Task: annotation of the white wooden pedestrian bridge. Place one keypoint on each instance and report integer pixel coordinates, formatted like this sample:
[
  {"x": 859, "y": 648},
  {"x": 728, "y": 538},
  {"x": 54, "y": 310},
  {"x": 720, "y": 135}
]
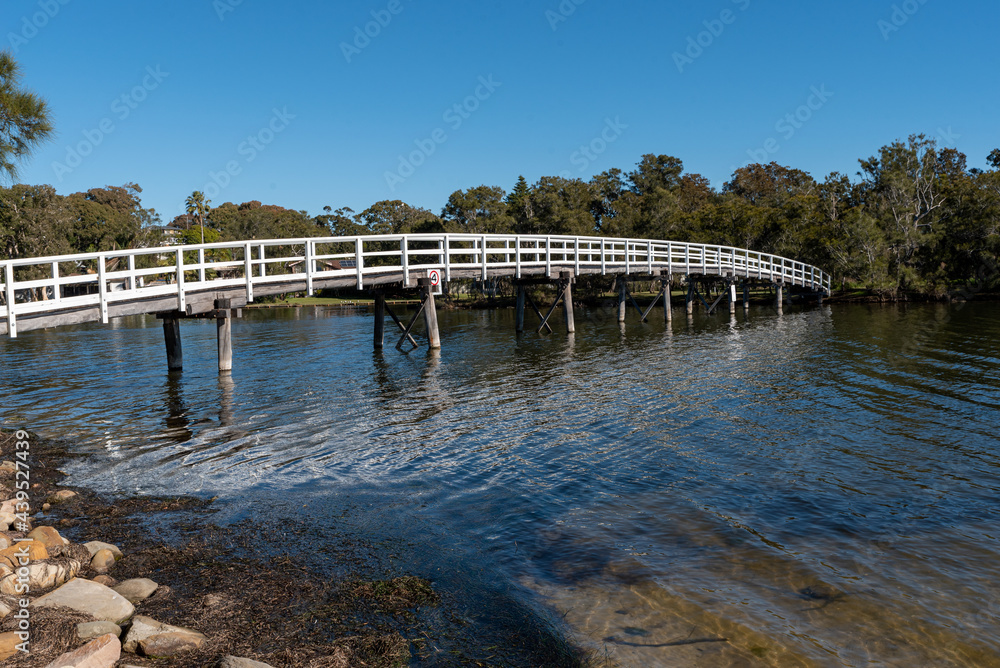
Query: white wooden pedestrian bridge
[{"x": 214, "y": 280}]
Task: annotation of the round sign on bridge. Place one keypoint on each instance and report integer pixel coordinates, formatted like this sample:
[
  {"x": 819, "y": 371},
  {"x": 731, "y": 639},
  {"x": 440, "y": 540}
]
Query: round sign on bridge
[{"x": 435, "y": 276}]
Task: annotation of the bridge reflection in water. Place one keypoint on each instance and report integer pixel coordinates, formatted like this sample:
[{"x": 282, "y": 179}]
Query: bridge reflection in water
[{"x": 217, "y": 280}]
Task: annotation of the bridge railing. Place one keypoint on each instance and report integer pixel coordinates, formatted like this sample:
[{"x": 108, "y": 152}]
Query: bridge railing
[{"x": 57, "y": 283}]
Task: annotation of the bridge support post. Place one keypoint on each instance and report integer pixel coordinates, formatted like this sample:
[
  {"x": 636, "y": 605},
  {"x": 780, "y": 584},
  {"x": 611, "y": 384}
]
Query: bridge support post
[
  {"x": 172, "y": 337},
  {"x": 224, "y": 333},
  {"x": 732, "y": 296},
  {"x": 689, "y": 299},
  {"x": 746, "y": 295},
  {"x": 379, "y": 319},
  {"x": 430, "y": 315},
  {"x": 667, "y": 306},
  {"x": 519, "y": 312},
  {"x": 780, "y": 298},
  {"x": 567, "y": 281},
  {"x": 622, "y": 296}
]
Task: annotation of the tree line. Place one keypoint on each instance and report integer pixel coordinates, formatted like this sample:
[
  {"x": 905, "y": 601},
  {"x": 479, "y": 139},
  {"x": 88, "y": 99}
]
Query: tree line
[{"x": 917, "y": 220}]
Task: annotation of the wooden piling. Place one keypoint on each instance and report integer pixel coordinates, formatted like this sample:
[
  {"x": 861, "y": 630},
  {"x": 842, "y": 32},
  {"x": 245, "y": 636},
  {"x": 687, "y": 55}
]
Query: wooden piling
[
  {"x": 689, "y": 299},
  {"x": 667, "y": 306},
  {"x": 567, "y": 280},
  {"x": 622, "y": 297},
  {"x": 224, "y": 333},
  {"x": 430, "y": 315},
  {"x": 172, "y": 338},
  {"x": 780, "y": 292},
  {"x": 519, "y": 313},
  {"x": 732, "y": 298},
  {"x": 746, "y": 295},
  {"x": 379, "y": 320}
]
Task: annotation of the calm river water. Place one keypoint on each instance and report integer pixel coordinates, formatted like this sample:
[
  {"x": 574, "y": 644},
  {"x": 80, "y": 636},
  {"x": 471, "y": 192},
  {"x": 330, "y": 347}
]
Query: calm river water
[{"x": 819, "y": 488}]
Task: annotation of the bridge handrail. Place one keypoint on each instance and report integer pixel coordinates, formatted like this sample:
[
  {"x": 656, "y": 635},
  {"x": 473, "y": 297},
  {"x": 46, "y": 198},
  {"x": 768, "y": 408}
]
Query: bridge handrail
[{"x": 186, "y": 268}]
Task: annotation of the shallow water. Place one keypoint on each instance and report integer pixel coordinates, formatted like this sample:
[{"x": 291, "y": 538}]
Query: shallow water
[{"x": 818, "y": 488}]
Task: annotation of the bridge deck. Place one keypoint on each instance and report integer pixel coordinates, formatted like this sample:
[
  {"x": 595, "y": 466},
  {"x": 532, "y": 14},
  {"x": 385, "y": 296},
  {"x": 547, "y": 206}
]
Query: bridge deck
[{"x": 190, "y": 278}]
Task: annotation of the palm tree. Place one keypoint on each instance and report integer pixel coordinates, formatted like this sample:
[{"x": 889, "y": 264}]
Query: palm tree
[
  {"x": 199, "y": 207},
  {"x": 24, "y": 118}
]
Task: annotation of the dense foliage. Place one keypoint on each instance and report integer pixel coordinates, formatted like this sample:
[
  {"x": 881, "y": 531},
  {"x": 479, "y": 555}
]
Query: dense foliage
[
  {"x": 916, "y": 219},
  {"x": 24, "y": 118}
]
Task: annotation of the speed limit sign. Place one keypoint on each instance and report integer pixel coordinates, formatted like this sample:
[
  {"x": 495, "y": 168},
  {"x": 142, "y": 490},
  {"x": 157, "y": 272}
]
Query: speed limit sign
[{"x": 435, "y": 277}]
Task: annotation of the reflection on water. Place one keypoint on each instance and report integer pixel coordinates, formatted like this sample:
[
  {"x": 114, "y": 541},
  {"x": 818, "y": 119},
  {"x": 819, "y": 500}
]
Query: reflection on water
[{"x": 818, "y": 488}]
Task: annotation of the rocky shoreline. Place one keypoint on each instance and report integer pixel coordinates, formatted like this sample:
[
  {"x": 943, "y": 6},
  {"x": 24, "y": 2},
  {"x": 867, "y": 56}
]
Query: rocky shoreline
[{"x": 84, "y": 582}]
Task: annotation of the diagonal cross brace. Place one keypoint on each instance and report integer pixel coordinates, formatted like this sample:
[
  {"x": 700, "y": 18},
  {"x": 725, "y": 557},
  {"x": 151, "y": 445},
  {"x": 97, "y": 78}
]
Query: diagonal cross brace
[
  {"x": 402, "y": 327},
  {"x": 655, "y": 301},
  {"x": 413, "y": 320},
  {"x": 698, "y": 294},
  {"x": 538, "y": 312},
  {"x": 552, "y": 309},
  {"x": 628, "y": 293}
]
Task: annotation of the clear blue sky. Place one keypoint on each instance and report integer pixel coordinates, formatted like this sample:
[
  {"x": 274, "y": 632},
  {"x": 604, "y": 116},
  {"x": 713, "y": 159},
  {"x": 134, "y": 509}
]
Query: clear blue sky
[{"x": 557, "y": 73}]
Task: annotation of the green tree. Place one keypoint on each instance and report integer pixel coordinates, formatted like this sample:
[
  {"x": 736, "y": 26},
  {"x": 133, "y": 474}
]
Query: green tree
[
  {"x": 905, "y": 194},
  {"x": 24, "y": 118},
  {"x": 656, "y": 171},
  {"x": 518, "y": 202},
  {"x": 34, "y": 221},
  {"x": 397, "y": 217},
  {"x": 562, "y": 206},
  {"x": 480, "y": 210},
  {"x": 110, "y": 218},
  {"x": 339, "y": 223},
  {"x": 198, "y": 208}
]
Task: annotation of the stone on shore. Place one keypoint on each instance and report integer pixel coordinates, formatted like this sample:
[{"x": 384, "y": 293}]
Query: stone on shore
[
  {"x": 8, "y": 645},
  {"x": 96, "y": 546},
  {"x": 8, "y": 467},
  {"x": 137, "y": 589},
  {"x": 89, "y": 597},
  {"x": 102, "y": 561},
  {"x": 167, "y": 645},
  {"x": 105, "y": 580},
  {"x": 237, "y": 662},
  {"x": 102, "y": 652},
  {"x": 61, "y": 496},
  {"x": 32, "y": 550},
  {"x": 91, "y": 630},
  {"x": 48, "y": 536},
  {"x": 48, "y": 575},
  {"x": 5, "y": 610},
  {"x": 144, "y": 628},
  {"x": 6, "y": 519},
  {"x": 9, "y": 507}
]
